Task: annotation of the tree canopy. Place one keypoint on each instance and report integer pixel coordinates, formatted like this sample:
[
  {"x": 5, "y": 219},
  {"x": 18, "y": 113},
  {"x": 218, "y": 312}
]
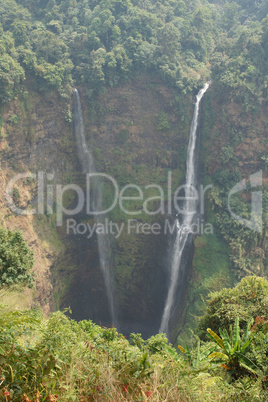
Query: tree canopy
[{"x": 101, "y": 43}]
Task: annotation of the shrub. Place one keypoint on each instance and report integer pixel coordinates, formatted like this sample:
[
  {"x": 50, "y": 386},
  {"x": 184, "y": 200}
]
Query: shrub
[
  {"x": 13, "y": 120},
  {"x": 163, "y": 122},
  {"x": 233, "y": 350},
  {"x": 16, "y": 259},
  {"x": 248, "y": 299},
  {"x": 57, "y": 358}
]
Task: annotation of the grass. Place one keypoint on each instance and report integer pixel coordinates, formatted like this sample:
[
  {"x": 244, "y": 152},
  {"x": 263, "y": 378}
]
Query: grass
[
  {"x": 15, "y": 298},
  {"x": 45, "y": 227}
]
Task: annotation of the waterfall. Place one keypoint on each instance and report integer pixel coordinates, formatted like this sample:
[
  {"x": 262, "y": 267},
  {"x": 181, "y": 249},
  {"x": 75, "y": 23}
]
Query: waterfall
[
  {"x": 189, "y": 212},
  {"x": 88, "y": 166}
]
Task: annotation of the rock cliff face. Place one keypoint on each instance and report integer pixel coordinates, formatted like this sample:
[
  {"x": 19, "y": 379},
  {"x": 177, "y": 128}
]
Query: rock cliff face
[
  {"x": 35, "y": 138},
  {"x": 137, "y": 133},
  {"x": 234, "y": 147}
]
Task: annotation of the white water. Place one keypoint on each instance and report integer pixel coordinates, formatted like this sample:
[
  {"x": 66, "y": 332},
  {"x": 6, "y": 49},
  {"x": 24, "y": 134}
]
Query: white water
[
  {"x": 88, "y": 166},
  {"x": 189, "y": 208}
]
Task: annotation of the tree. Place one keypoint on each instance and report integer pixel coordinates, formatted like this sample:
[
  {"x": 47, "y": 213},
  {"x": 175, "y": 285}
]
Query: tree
[
  {"x": 48, "y": 46},
  {"x": 248, "y": 299},
  {"x": 16, "y": 259},
  {"x": 20, "y": 30},
  {"x": 11, "y": 73}
]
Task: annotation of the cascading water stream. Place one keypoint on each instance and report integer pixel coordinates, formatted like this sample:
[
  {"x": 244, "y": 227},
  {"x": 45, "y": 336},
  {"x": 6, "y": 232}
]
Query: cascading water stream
[
  {"x": 88, "y": 166},
  {"x": 189, "y": 212}
]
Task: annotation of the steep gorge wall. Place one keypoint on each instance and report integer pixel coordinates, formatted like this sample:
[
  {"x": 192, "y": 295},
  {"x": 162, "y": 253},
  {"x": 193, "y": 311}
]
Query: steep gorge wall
[
  {"x": 137, "y": 133},
  {"x": 234, "y": 146},
  {"x": 35, "y": 138}
]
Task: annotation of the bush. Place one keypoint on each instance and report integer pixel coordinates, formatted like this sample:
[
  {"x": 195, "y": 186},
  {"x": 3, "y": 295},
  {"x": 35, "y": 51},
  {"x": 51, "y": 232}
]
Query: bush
[
  {"x": 13, "y": 120},
  {"x": 57, "y": 358},
  {"x": 248, "y": 299},
  {"x": 16, "y": 259},
  {"x": 163, "y": 122}
]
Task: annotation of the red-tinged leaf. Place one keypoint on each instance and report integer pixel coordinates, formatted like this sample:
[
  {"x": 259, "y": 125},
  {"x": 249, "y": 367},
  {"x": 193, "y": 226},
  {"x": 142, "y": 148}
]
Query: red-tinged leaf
[
  {"x": 225, "y": 366},
  {"x": 148, "y": 394}
]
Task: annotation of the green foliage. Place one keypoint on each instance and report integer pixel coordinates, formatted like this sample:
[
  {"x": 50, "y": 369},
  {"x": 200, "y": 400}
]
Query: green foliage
[
  {"x": 57, "y": 358},
  {"x": 157, "y": 342},
  {"x": 13, "y": 120},
  {"x": 227, "y": 154},
  {"x": 247, "y": 247},
  {"x": 163, "y": 122},
  {"x": 212, "y": 271},
  {"x": 238, "y": 64},
  {"x": 68, "y": 116},
  {"x": 234, "y": 349},
  {"x": 265, "y": 160},
  {"x": 238, "y": 352},
  {"x": 259, "y": 346},
  {"x": 106, "y": 42},
  {"x": 248, "y": 299},
  {"x": 198, "y": 357},
  {"x": 11, "y": 74},
  {"x": 16, "y": 259},
  {"x": 136, "y": 340}
]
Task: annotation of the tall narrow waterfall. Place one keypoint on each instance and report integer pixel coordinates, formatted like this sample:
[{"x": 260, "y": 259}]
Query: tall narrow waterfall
[
  {"x": 189, "y": 213},
  {"x": 88, "y": 166}
]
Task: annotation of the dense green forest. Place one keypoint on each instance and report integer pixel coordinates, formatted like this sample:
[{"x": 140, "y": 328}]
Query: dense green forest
[
  {"x": 98, "y": 43},
  {"x": 48, "y": 47}
]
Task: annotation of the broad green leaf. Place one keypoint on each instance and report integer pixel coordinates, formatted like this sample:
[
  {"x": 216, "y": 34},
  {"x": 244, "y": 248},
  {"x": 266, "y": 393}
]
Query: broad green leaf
[
  {"x": 206, "y": 353},
  {"x": 246, "y": 361},
  {"x": 11, "y": 373},
  {"x": 248, "y": 368},
  {"x": 245, "y": 346},
  {"x": 236, "y": 334},
  {"x": 225, "y": 340},
  {"x": 188, "y": 354},
  {"x": 248, "y": 332}
]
